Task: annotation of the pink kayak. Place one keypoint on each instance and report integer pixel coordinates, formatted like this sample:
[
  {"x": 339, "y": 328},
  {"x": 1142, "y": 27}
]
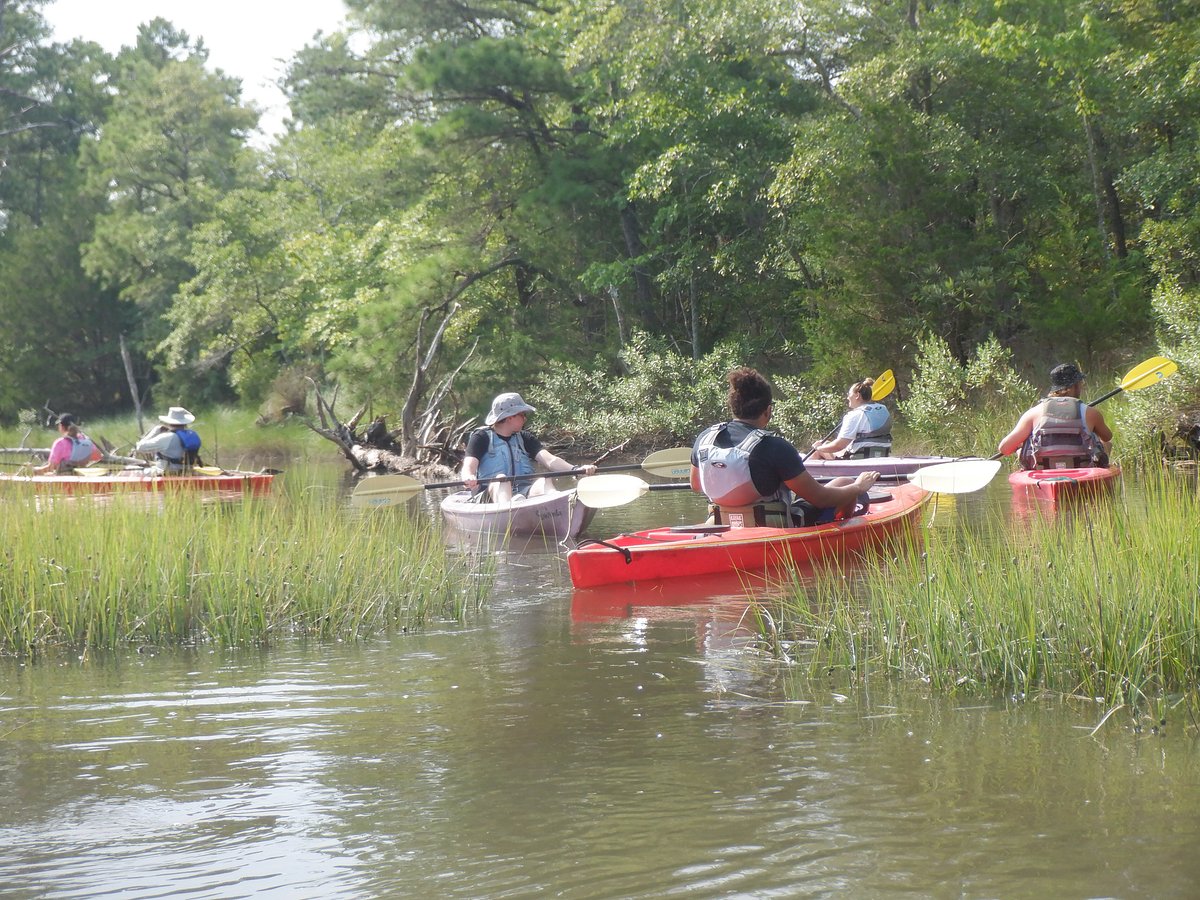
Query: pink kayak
[{"x": 1054, "y": 485}]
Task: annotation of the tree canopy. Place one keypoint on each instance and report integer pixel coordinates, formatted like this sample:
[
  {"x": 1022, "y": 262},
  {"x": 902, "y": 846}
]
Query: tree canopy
[{"x": 829, "y": 183}]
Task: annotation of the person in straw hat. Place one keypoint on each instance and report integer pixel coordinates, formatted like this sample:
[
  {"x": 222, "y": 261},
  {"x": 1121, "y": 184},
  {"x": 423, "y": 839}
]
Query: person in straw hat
[
  {"x": 504, "y": 451},
  {"x": 176, "y": 447},
  {"x": 1061, "y": 431}
]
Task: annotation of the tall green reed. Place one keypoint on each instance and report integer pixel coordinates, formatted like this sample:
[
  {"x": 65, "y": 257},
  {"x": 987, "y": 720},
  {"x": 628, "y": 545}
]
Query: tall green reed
[
  {"x": 1100, "y": 600},
  {"x": 83, "y": 573}
]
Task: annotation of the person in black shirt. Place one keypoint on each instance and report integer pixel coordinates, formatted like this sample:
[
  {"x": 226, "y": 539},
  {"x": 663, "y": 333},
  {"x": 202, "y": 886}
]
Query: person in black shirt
[{"x": 504, "y": 451}]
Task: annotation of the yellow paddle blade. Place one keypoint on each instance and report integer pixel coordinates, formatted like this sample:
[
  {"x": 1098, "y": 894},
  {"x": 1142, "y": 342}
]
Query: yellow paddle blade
[
  {"x": 603, "y": 491},
  {"x": 1152, "y": 371},
  {"x": 207, "y": 470},
  {"x": 401, "y": 487},
  {"x": 673, "y": 463},
  {"x": 884, "y": 385},
  {"x": 963, "y": 476},
  {"x": 382, "y": 498}
]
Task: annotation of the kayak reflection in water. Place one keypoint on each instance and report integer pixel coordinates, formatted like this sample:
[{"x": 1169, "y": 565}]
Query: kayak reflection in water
[{"x": 754, "y": 477}]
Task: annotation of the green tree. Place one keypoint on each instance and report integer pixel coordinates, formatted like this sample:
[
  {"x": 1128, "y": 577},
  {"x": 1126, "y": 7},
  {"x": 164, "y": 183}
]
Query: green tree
[{"x": 173, "y": 145}]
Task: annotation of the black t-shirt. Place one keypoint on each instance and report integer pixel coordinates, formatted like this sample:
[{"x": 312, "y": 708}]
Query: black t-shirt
[
  {"x": 773, "y": 462},
  {"x": 479, "y": 443}
]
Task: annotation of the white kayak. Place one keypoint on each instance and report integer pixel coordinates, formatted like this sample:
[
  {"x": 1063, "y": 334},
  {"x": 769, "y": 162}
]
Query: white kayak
[
  {"x": 890, "y": 467},
  {"x": 556, "y": 515}
]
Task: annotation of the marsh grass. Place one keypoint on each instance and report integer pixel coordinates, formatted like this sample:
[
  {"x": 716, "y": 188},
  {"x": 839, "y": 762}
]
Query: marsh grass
[
  {"x": 176, "y": 570},
  {"x": 1101, "y": 601}
]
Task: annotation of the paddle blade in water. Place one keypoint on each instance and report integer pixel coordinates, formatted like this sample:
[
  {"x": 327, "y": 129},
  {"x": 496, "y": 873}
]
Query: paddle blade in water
[
  {"x": 673, "y": 463},
  {"x": 603, "y": 491},
  {"x": 960, "y": 477},
  {"x": 382, "y": 498},
  {"x": 380, "y": 485}
]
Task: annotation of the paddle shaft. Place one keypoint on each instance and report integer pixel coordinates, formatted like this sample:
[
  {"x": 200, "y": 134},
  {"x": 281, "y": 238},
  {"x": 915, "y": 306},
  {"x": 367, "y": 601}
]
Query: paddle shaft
[
  {"x": 628, "y": 467},
  {"x": 685, "y": 486}
]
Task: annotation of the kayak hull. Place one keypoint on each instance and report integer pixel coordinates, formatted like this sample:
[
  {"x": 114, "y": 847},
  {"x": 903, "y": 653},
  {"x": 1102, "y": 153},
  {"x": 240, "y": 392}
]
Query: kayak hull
[
  {"x": 1058, "y": 485},
  {"x": 141, "y": 481},
  {"x": 889, "y": 467},
  {"x": 692, "y": 551},
  {"x": 557, "y": 515}
]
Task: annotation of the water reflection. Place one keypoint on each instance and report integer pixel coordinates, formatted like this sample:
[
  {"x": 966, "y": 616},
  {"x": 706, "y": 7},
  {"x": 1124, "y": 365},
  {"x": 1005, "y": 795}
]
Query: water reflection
[{"x": 623, "y": 745}]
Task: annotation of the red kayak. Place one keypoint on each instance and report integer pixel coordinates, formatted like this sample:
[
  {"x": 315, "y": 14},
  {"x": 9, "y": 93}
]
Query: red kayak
[
  {"x": 1055, "y": 485},
  {"x": 219, "y": 480},
  {"x": 691, "y": 550}
]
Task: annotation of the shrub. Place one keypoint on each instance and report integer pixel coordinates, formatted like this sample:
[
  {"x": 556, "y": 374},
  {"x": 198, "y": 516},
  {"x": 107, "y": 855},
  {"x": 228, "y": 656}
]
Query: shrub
[{"x": 964, "y": 408}]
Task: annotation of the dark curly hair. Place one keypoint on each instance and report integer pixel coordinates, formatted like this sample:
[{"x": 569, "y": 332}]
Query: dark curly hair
[{"x": 749, "y": 393}]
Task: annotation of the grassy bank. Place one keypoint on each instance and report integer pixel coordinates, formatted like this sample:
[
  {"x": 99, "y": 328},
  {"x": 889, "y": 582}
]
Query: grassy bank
[
  {"x": 1100, "y": 602},
  {"x": 82, "y": 574}
]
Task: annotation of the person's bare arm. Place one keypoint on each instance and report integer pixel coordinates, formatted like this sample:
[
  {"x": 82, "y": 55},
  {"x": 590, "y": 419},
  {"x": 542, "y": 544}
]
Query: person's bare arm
[
  {"x": 558, "y": 464},
  {"x": 1095, "y": 421},
  {"x": 1015, "y": 438}
]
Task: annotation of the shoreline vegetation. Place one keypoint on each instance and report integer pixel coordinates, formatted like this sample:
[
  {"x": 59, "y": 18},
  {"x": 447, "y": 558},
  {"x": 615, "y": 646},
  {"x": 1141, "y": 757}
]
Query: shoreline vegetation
[
  {"x": 1097, "y": 602},
  {"x": 174, "y": 570}
]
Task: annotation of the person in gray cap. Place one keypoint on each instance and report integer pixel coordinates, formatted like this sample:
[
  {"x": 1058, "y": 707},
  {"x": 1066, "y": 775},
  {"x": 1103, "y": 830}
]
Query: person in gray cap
[
  {"x": 504, "y": 451},
  {"x": 1061, "y": 431}
]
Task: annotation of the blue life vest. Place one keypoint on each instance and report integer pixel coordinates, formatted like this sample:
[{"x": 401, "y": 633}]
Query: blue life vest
[
  {"x": 879, "y": 433},
  {"x": 506, "y": 457},
  {"x": 82, "y": 450},
  {"x": 191, "y": 446},
  {"x": 1062, "y": 439},
  {"x": 189, "y": 450},
  {"x": 725, "y": 471}
]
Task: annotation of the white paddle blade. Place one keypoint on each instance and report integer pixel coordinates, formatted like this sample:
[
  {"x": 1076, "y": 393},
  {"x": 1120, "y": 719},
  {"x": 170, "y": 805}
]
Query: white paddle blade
[
  {"x": 673, "y": 463},
  {"x": 963, "y": 476},
  {"x": 603, "y": 491}
]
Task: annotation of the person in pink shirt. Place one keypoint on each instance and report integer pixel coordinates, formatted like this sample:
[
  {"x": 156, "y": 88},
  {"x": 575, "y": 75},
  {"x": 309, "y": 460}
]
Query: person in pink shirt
[{"x": 73, "y": 448}]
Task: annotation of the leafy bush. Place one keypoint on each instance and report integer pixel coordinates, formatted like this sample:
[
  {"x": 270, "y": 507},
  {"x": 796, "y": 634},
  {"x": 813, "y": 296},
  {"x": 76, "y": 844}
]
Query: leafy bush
[
  {"x": 664, "y": 399},
  {"x": 964, "y": 408},
  {"x": 804, "y": 414},
  {"x": 1174, "y": 405}
]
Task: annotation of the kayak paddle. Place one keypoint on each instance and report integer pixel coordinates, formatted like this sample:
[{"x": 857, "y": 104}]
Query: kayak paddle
[
  {"x": 966, "y": 476},
  {"x": 603, "y": 491},
  {"x": 386, "y": 490}
]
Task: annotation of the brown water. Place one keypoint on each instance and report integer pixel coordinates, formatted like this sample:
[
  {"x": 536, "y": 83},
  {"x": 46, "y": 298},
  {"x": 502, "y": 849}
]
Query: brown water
[{"x": 555, "y": 746}]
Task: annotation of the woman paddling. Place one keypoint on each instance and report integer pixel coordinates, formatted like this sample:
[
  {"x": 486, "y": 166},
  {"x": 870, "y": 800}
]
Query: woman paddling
[
  {"x": 866, "y": 430},
  {"x": 751, "y": 475},
  {"x": 73, "y": 448}
]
